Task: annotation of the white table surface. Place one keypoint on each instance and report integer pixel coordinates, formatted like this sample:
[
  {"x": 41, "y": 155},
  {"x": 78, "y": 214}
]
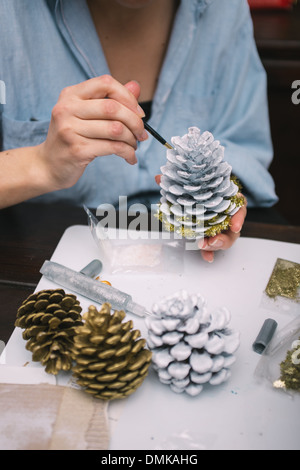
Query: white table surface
[{"x": 239, "y": 414}]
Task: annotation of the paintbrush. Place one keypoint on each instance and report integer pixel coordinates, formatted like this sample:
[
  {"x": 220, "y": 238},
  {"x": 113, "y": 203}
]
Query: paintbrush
[{"x": 157, "y": 136}]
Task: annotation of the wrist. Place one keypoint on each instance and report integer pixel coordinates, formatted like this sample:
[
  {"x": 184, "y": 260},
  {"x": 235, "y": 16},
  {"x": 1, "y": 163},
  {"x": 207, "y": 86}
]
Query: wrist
[
  {"x": 22, "y": 176},
  {"x": 45, "y": 181}
]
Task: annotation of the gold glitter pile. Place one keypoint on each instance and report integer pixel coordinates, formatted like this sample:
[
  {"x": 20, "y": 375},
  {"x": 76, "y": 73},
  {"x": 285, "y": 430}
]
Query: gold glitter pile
[{"x": 284, "y": 280}]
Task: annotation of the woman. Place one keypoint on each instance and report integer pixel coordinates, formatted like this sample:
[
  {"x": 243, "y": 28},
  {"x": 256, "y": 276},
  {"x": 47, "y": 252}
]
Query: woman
[{"x": 79, "y": 74}]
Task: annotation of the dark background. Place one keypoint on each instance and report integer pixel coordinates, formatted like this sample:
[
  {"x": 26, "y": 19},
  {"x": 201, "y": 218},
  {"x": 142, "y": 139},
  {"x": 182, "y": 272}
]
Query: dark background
[{"x": 277, "y": 34}]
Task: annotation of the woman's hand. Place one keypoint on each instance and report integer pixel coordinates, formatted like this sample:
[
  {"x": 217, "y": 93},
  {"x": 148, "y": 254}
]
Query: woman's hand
[
  {"x": 225, "y": 240},
  {"x": 94, "y": 118}
]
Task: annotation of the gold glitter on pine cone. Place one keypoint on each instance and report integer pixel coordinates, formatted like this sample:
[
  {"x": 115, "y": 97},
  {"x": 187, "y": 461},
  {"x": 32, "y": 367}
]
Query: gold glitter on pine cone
[
  {"x": 111, "y": 362},
  {"x": 212, "y": 227},
  {"x": 49, "y": 319}
]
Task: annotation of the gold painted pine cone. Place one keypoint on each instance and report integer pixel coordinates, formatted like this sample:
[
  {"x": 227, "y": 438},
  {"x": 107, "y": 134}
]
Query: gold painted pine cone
[
  {"x": 111, "y": 362},
  {"x": 49, "y": 319}
]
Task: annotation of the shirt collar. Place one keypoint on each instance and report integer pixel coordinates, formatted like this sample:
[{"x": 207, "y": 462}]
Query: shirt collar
[{"x": 77, "y": 27}]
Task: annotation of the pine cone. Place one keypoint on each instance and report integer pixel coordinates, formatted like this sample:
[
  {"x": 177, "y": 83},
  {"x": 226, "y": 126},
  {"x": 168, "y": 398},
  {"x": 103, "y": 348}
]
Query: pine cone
[
  {"x": 49, "y": 319},
  {"x": 199, "y": 195},
  {"x": 111, "y": 360},
  {"x": 190, "y": 346}
]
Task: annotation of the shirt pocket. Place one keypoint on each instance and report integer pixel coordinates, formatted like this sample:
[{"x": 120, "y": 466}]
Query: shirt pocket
[{"x": 22, "y": 133}]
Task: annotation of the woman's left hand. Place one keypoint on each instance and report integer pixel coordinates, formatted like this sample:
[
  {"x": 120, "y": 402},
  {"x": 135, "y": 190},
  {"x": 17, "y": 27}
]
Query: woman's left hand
[{"x": 224, "y": 240}]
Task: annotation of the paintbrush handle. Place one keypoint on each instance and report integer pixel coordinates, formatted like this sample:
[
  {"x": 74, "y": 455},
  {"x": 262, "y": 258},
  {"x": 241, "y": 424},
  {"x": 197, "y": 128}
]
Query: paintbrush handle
[{"x": 156, "y": 135}]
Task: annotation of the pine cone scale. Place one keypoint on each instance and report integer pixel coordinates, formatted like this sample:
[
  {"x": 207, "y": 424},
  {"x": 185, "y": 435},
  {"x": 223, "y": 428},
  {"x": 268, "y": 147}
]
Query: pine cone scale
[
  {"x": 33, "y": 331},
  {"x": 113, "y": 340},
  {"x": 122, "y": 350},
  {"x": 106, "y": 377},
  {"x": 115, "y": 329},
  {"x": 142, "y": 358},
  {"x": 128, "y": 377},
  {"x": 117, "y": 366},
  {"x": 97, "y": 339},
  {"x": 106, "y": 354},
  {"x": 97, "y": 366}
]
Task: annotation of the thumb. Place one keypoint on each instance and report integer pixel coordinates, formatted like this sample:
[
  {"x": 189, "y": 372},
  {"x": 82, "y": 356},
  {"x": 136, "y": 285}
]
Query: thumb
[
  {"x": 157, "y": 179},
  {"x": 134, "y": 88}
]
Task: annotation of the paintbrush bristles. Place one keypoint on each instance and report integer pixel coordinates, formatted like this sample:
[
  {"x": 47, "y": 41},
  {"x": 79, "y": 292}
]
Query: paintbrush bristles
[{"x": 168, "y": 145}]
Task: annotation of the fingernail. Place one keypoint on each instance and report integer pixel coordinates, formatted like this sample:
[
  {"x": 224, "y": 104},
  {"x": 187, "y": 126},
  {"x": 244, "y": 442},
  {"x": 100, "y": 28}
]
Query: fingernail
[
  {"x": 216, "y": 243},
  {"x": 210, "y": 257},
  {"x": 236, "y": 231},
  {"x": 143, "y": 136},
  {"x": 132, "y": 161},
  {"x": 158, "y": 180},
  {"x": 140, "y": 111},
  {"x": 202, "y": 242}
]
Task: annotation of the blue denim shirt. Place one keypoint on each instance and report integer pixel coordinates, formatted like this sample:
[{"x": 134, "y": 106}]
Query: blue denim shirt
[{"x": 211, "y": 78}]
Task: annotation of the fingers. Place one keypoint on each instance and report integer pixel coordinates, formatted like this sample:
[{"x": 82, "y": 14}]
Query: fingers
[
  {"x": 94, "y": 118},
  {"x": 90, "y": 112},
  {"x": 219, "y": 242},
  {"x": 106, "y": 130},
  {"x": 99, "y": 117},
  {"x": 207, "y": 256},
  {"x": 104, "y": 86},
  {"x": 102, "y": 147},
  {"x": 223, "y": 241},
  {"x": 134, "y": 88},
  {"x": 158, "y": 179}
]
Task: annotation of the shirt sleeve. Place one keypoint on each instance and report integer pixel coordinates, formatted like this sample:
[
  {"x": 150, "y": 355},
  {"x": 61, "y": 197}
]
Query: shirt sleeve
[{"x": 241, "y": 116}]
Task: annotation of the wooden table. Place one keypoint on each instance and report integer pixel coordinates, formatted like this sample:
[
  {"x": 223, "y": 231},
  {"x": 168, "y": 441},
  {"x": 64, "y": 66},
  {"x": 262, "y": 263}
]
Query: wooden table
[{"x": 29, "y": 233}]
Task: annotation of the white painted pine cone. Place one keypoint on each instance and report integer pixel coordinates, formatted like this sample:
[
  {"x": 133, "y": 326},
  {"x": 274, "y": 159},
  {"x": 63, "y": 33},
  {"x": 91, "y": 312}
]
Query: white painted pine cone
[
  {"x": 198, "y": 192},
  {"x": 190, "y": 346}
]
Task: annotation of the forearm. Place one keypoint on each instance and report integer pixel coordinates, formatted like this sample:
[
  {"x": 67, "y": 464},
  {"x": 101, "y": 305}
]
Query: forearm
[
  {"x": 84, "y": 125},
  {"x": 22, "y": 176}
]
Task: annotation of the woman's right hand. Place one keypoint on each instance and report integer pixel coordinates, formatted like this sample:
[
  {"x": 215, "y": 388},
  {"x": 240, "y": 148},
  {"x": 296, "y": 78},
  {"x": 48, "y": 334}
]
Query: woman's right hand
[{"x": 94, "y": 118}]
